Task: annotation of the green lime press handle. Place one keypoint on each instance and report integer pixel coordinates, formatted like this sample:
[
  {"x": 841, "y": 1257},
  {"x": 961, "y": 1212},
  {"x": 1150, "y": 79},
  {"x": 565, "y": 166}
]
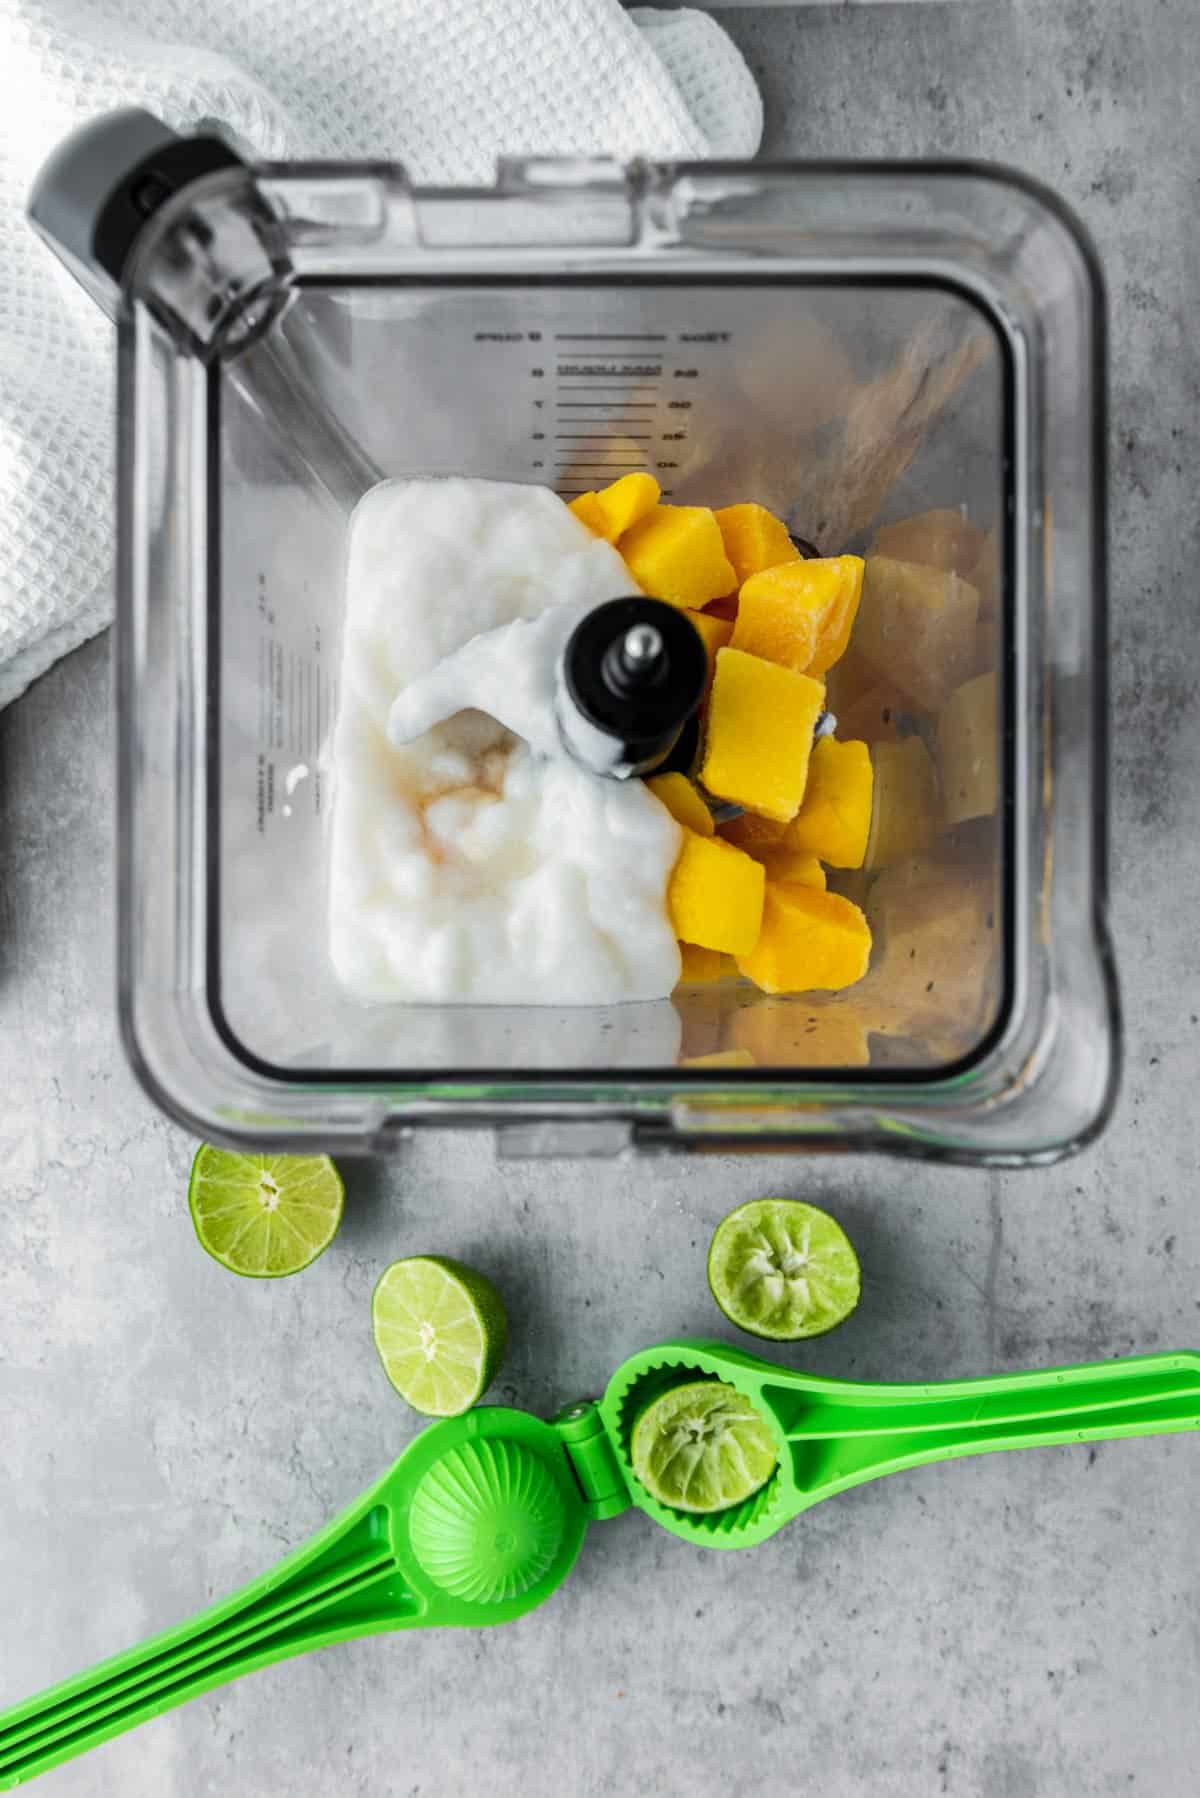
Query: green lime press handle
[
  {"x": 835, "y": 1434},
  {"x": 483, "y": 1516},
  {"x": 478, "y": 1521}
]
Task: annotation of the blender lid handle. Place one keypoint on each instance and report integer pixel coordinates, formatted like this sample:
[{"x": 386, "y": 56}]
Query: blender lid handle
[{"x": 96, "y": 192}]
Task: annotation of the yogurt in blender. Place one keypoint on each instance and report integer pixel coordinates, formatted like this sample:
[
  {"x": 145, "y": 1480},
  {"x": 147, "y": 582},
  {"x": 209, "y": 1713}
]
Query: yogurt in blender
[{"x": 465, "y": 866}]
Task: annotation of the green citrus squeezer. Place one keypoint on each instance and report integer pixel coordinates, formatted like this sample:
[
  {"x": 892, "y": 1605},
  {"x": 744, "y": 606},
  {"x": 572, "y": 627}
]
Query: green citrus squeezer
[{"x": 483, "y": 1515}]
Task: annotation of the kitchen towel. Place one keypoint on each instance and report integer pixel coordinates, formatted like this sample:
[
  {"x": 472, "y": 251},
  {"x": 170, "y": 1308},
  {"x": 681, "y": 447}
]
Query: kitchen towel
[{"x": 442, "y": 86}]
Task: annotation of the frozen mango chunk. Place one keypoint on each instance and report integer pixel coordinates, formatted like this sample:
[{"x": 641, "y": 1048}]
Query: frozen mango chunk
[
  {"x": 940, "y": 539},
  {"x": 720, "y": 1058},
  {"x": 716, "y": 633},
  {"x": 968, "y": 751},
  {"x": 904, "y": 809},
  {"x": 757, "y": 836},
  {"x": 760, "y": 733},
  {"x": 802, "y": 1033},
  {"x": 684, "y": 803},
  {"x": 916, "y": 626},
  {"x": 835, "y": 639},
  {"x": 611, "y": 511},
  {"x": 800, "y": 614},
  {"x": 834, "y": 819},
  {"x": 782, "y": 611},
  {"x": 624, "y": 501},
  {"x": 701, "y": 967},
  {"x": 715, "y": 895},
  {"x": 754, "y": 539},
  {"x": 783, "y": 865},
  {"x": 588, "y": 510},
  {"x": 676, "y": 553},
  {"x": 809, "y": 940}
]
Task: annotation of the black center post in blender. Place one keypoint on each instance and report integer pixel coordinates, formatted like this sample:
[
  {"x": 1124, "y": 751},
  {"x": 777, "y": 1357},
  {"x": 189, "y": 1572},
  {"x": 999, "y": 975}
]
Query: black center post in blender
[{"x": 630, "y": 684}]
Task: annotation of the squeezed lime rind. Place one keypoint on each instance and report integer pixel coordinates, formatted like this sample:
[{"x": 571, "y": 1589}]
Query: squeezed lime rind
[{"x": 783, "y": 1270}]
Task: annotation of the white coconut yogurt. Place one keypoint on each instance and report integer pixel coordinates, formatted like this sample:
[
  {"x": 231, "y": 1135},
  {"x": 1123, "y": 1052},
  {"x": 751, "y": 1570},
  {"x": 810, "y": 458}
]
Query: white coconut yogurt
[{"x": 466, "y": 867}]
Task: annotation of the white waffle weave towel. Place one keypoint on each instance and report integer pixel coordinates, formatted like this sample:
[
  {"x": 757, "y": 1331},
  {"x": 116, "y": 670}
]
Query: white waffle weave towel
[{"x": 443, "y": 86}]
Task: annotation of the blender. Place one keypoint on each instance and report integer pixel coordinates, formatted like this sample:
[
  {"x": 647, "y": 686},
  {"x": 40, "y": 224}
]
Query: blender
[{"x": 853, "y": 346}]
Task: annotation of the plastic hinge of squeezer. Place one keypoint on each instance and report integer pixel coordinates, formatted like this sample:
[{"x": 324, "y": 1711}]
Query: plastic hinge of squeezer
[{"x": 582, "y": 1432}]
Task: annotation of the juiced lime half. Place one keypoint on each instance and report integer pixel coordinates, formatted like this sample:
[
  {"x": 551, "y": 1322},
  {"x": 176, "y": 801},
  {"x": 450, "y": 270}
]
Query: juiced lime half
[
  {"x": 264, "y": 1215},
  {"x": 440, "y": 1329},
  {"x": 782, "y": 1269},
  {"x": 702, "y": 1447}
]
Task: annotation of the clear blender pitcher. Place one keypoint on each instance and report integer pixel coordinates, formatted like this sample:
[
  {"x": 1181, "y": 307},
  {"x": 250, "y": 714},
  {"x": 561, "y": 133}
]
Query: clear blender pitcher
[{"x": 853, "y": 346}]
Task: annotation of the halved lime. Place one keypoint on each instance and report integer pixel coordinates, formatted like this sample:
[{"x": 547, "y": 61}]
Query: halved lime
[
  {"x": 440, "y": 1329},
  {"x": 703, "y": 1447},
  {"x": 264, "y": 1215},
  {"x": 783, "y": 1269}
]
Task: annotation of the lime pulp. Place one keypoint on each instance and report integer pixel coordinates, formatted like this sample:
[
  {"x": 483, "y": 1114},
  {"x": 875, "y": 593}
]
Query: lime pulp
[
  {"x": 784, "y": 1270},
  {"x": 703, "y": 1447},
  {"x": 440, "y": 1329},
  {"x": 264, "y": 1215}
]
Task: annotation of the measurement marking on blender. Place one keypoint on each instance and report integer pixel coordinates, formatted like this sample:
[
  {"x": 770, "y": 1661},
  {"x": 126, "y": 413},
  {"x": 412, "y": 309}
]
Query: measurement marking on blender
[
  {"x": 640, "y": 374},
  {"x": 610, "y": 337}
]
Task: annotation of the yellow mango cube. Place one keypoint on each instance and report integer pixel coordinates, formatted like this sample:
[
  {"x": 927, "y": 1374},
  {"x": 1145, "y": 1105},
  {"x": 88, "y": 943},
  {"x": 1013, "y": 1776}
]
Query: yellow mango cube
[
  {"x": 781, "y": 612},
  {"x": 835, "y": 639},
  {"x": 701, "y": 967},
  {"x": 611, "y": 511},
  {"x": 624, "y": 501},
  {"x": 905, "y": 813},
  {"x": 793, "y": 865},
  {"x": 939, "y": 539},
  {"x": 801, "y": 614},
  {"x": 676, "y": 553},
  {"x": 968, "y": 750},
  {"x": 760, "y": 733},
  {"x": 588, "y": 510},
  {"x": 754, "y": 539},
  {"x": 684, "y": 803},
  {"x": 809, "y": 940},
  {"x": 715, "y": 895},
  {"x": 916, "y": 626},
  {"x": 716, "y": 633},
  {"x": 834, "y": 820}
]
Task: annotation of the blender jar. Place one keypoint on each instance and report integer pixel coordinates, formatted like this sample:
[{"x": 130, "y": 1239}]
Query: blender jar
[{"x": 869, "y": 350}]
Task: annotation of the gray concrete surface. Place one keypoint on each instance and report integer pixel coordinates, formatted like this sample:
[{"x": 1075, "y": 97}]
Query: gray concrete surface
[{"x": 1017, "y": 1627}]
